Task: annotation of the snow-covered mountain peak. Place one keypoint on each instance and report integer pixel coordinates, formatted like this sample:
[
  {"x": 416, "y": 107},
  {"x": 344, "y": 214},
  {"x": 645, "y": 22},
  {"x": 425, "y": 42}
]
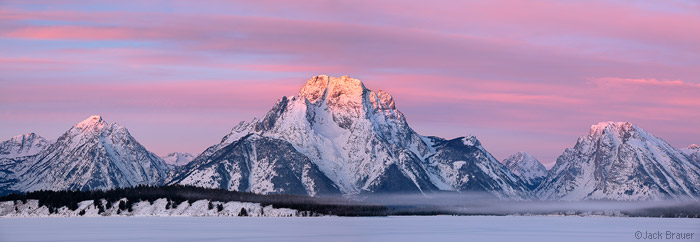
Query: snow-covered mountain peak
[
  {"x": 612, "y": 128},
  {"x": 692, "y": 152},
  {"x": 94, "y": 127},
  {"x": 524, "y": 159},
  {"x": 527, "y": 167},
  {"x": 178, "y": 158},
  {"x": 613, "y": 134},
  {"x": 519, "y": 158},
  {"x": 26, "y": 136},
  {"x": 22, "y": 145},
  {"x": 619, "y": 160},
  {"x": 94, "y": 121},
  {"x": 346, "y": 138},
  {"x": 92, "y": 154}
]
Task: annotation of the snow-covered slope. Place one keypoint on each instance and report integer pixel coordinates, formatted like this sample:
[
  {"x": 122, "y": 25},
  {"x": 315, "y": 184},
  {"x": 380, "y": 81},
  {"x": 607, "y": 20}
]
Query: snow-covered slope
[
  {"x": 692, "y": 152},
  {"x": 178, "y": 158},
  {"x": 93, "y": 154},
  {"x": 258, "y": 164},
  {"x": 464, "y": 165},
  {"x": 620, "y": 161},
  {"x": 359, "y": 140},
  {"x": 527, "y": 168},
  {"x": 23, "y": 145}
]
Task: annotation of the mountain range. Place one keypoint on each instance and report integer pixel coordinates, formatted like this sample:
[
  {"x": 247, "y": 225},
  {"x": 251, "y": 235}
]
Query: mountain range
[
  {"x": 92, "y": 154},
  {"x": 339, "y": 137}
]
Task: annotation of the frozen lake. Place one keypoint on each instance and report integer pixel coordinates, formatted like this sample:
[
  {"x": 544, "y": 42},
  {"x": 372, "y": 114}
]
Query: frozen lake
[{"x": 430, "y": 228}]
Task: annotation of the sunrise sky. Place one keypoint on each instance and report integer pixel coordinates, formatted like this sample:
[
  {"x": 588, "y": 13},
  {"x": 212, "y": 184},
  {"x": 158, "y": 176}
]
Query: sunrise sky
[{"x": 520, "y": 75}]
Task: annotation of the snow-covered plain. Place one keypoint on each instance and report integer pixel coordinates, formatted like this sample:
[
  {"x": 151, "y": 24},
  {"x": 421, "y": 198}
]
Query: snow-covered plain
[{"x": 428, "y": 228}]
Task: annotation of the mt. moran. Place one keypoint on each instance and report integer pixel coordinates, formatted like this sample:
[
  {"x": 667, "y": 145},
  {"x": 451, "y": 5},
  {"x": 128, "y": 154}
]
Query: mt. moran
[
  {"x": 338, "y": 136},
  {"x": 620, "y": 161}
]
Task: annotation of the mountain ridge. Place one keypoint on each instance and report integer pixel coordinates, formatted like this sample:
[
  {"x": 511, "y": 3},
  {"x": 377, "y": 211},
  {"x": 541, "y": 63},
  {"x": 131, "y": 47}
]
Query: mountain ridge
[
  {"x": 92, "y": 154},
  {"x": 621, "y": 161},
  {"x": 339, "y": 137}
]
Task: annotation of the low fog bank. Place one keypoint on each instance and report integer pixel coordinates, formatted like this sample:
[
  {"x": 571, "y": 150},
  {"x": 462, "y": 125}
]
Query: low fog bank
[{"x": 485, "y": 204}]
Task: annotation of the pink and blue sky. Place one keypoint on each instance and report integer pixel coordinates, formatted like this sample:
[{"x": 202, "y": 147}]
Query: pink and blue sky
[{"x": 521, "y": 75}]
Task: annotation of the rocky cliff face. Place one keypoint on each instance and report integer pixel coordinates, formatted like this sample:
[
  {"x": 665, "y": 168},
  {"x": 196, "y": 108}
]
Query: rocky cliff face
[{"x": 620, "y": 161}]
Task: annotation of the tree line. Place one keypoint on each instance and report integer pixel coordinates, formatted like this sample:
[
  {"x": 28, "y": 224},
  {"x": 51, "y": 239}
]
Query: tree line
[{"x": 176, "y": 194}]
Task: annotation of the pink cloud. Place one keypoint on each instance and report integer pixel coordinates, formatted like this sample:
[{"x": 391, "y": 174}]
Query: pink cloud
[
  {"x": 642, "y": 81},
  {"x": 192, "y": 94},
  {"x": 79, "y": 33}
]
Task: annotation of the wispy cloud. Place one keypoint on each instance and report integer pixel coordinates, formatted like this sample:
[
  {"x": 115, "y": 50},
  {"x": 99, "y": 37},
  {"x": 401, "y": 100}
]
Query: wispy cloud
[
  {"x": 642, "y": 81},
  {"x": 509, "y": 71}
]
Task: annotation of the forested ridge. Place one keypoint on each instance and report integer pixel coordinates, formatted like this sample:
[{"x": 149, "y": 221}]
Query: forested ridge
[{"x": 177, "y": 194}]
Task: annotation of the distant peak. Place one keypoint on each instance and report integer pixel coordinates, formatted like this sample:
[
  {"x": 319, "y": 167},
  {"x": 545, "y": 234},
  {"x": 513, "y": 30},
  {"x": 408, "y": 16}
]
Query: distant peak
[
  {"x": 694, "y": 147},
  {"x": 92, "y": 121},
  {"x": 94, "y": 118},
  {"x": 524, "y": 154},
  {"x": 24, "y": 136},
  {"x": 178, "y": 154},
  {"x": 520, "y": 156}
]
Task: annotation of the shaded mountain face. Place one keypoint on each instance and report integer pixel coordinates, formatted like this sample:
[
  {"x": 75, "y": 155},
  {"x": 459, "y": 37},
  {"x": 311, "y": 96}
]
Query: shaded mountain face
[
  {"x": 464, "y": 165},
  {"x": 621, "y": 161},
  {"x": 358, "y": 140},
  {"x": 527, "y": 168},
  {"x": 178, "y": 158},
  {"x": 261, "y": 165},
  {"x": 23, "y": 145},
  {"x": 13, "y": 153},
  {"x": 693, "y": 153},
  {"x": 93, "y": 154}
]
